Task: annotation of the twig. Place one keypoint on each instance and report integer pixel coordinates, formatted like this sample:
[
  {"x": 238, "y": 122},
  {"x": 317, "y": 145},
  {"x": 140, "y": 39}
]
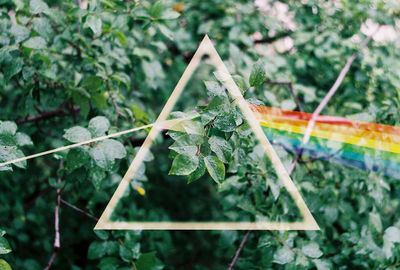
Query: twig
[
  {"x": 79, "y": 210},
  {"x": 47, "y": 115},
  {"x": 290, "y": 85},
  {"x": 56, "y": 244},
  {"x": 335, "y": 87},
  {"x": 274, "y": 38},
  {"x": 236, "y": 257}
]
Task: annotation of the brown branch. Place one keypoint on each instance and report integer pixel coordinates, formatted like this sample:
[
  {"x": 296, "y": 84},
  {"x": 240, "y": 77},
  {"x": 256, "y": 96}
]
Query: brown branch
[
  {"x": 237, "y": 253},
  {"x": 46, "y": 115},
  {"x": 79, "y": 210},
  {"x": 290, "y": 85},
  {"x": 56, "y": 244},
  {"x": 274, "y": 38}
]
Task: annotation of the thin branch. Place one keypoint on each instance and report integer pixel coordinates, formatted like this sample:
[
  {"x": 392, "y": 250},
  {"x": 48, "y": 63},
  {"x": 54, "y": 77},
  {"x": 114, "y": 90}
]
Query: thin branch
[
  {"x": 46, "y": 115},
  {"x": 335, "y": 87},
  {"x": 274, "y": 38},
  {"x": 236, "y": 257},
  {"x": 56, "y": 244},
  {"x": 290, "y": 85},
  {"x": 79, "y": 210}
]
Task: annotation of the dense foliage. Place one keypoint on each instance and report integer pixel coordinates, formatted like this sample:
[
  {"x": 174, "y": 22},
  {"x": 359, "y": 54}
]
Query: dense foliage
[{"x": 75, "y": 70}]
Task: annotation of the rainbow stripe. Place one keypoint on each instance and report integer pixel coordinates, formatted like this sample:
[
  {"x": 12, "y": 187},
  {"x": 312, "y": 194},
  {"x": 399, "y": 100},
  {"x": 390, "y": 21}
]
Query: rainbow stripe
[{"x": 367, "y": 146}]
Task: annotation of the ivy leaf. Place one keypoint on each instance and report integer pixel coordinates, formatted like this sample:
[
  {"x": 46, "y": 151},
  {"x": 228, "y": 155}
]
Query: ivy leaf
[
  {"x": 312, "y": 250},
  {"x": 283, "y": 256},
  {"x": 221, "y": 148},
  {"x": 77, "y": 134},
  {"x": 98, "y": 126},
  {"x": 35, "y": 43},
  {"x": 257, "y": 75},
  {"x": 94, "y": 23},
  {"x": 38, "y": 6},
  {"x": 4, "y": 246},
  {"x": 149, "y": 261},
  {"x": 184, "y": 165},
  {"x": 215, "y": 168}
]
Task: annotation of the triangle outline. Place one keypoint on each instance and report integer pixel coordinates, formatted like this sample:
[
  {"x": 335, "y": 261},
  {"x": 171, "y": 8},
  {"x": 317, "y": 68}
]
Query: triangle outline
[{"x": 206, "y": 47}]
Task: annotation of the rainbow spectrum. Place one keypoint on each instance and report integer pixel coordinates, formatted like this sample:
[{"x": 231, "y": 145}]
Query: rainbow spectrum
[{"x": 367, "y": 146}]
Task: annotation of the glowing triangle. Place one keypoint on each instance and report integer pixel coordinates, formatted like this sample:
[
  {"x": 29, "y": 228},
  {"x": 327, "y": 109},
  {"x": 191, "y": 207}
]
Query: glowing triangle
[{"x": 206, "y": 47}]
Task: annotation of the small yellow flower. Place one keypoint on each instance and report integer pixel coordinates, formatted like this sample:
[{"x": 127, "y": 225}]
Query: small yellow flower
[{"x": 141, "y": 191}]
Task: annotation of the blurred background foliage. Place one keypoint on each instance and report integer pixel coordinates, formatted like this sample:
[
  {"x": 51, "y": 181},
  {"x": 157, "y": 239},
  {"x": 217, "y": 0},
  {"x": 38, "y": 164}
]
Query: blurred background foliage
[{"x": 73, "y": 70}]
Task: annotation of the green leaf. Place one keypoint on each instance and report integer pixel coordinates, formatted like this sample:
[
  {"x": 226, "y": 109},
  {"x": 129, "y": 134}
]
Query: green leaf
[
  {"x": 375, "y": 221},
  {"x": 240, "y": 82},
  {"x": 283, "y": 256},
  {"x": 22, "y": 139},
  {"x": 105, "y": 153},
  {"x": 149, "y": 261},
  {"x": 392, "y": 234},
  {"x": 184, "y": 165},
  {"x": 19, "y": 32},
  {"x": 97, "y": 175},
  {"x": 4, "y": 246},
  {"x": 257, "y": 75},
  {"x": 214, "y": 89},
  {"x": 125, "y": 253},
  {"x": 77, "y": 134},
  {"x": 103, "y": 235},
  {"x": 94, "y": 23},
  {"x": 38, "y": 6},
  {"x": 96, "y": 250},
  {"x": 199, "y": 172},
  {"x": 215, "y": 168},
  {"x": 109, "y": 263},
  {"x": 98, "y": 126},
  {"x": 225, "y": 122},
  {"x": 8, "y": 127},
  {"x": 165, "y": 31},
  {"x": 76, "y": 158},
  {"x": 4, "y": 265},
  {"x": 187, "y": 144},
  {"x": 35, "y": 43},
  {"x": 92, "y": 83},
  {"x": 221, "y": 148},
  {"x": 42, "y": 27},
  {"x": 14, "y": 68},
  {"x": 312, "y": 250},
  {"x": 170, "y": 15},
  {"x": 157, "y": 10}
]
